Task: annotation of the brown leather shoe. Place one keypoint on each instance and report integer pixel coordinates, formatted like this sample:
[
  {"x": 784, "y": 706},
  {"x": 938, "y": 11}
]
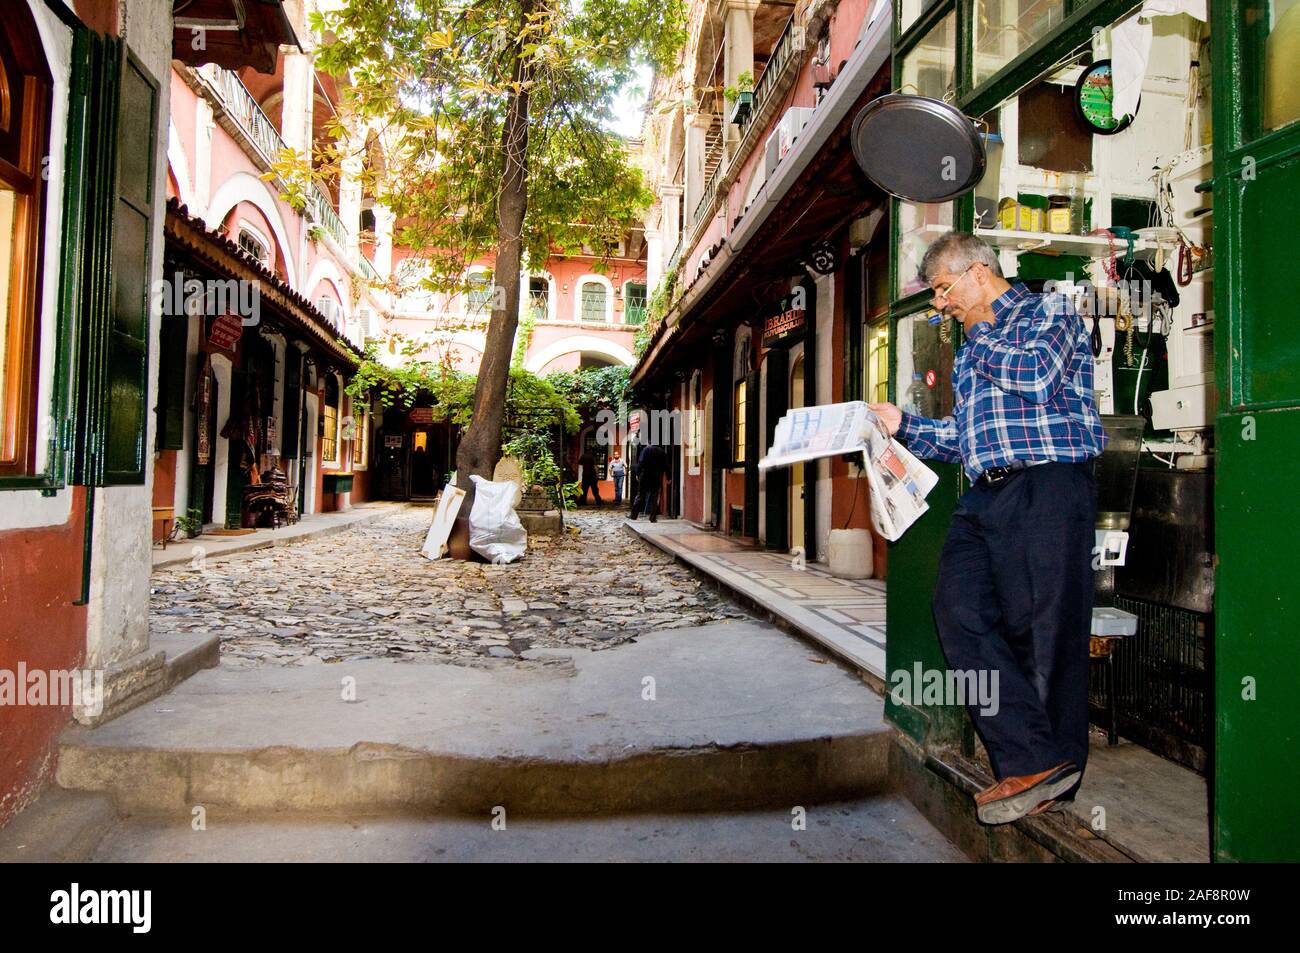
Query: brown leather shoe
[{"x": 1013, "y": 798}]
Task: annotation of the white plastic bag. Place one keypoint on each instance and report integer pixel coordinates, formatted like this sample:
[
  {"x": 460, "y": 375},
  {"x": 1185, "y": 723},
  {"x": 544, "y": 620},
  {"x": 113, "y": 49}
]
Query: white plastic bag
[{"x": 495, "y": 532}]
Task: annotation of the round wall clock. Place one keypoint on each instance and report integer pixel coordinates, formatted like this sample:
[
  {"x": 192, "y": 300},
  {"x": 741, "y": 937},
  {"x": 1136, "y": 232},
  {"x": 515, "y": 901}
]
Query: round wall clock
[{"x": 1094, "y": 94}]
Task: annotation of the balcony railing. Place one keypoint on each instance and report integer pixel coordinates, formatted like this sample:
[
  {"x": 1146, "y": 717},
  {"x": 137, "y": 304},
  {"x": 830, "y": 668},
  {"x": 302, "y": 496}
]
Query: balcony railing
[
  {"x": 786, "y": 47},
  {"x": 243, "y": 109}
]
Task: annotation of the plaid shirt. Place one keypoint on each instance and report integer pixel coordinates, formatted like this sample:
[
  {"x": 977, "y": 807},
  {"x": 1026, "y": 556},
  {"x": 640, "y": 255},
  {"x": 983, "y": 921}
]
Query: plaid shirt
[{"x": 1022, "y": 389}]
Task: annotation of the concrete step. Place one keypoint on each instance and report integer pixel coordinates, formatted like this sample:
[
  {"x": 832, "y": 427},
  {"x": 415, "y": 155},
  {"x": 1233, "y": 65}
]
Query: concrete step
[
  {"x": 883, "y": 828},
  {"x": 722, "y": 717}
]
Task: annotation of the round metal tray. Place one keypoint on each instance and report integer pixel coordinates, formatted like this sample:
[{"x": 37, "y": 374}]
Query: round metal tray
[{"x": 916, "y": 148}]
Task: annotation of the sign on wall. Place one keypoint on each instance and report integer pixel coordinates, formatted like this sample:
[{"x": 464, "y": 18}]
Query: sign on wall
[
  {"x": 786, "y": 328},
  {"x": 226, "y": 331}
]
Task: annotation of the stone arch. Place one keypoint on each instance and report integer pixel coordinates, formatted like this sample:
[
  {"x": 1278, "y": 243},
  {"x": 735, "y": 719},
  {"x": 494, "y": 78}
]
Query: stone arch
[
  {"x": 325, "y": 271},
  {"x": 245, "y": 187},
  {"x": 179, "y": 167},
  {"x": 579, "y": 342}
]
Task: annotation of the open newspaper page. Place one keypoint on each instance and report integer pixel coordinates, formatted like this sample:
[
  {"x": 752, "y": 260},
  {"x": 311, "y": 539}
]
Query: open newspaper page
[{"x": 899, "y": 482}]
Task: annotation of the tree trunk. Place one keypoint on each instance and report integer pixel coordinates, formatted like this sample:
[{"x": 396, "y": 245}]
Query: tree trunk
[{"x": 480, "y": 448}]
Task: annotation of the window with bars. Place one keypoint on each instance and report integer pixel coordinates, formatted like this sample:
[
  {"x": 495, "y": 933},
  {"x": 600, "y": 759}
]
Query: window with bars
[
  {"x": 634, "y": 304},
  {"x": 738, "y": 422},
  {"x": 478, "y": 297},
  {"x": 539, "y": 298},
  {"x": 329, "y": 447},
  {"x": 361, "y": 439},
  {"x": 253, "y": 245},
  {"x": 594, "y": 302}
]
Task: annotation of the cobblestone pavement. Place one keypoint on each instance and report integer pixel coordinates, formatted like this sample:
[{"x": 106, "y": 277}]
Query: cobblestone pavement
[{"x": 366, "y": 592}]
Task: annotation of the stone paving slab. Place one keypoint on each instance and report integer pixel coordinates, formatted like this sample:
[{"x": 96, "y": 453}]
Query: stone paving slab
[
  {"x": 847, "y": 616},
  {"x": 742, "y": 715}
]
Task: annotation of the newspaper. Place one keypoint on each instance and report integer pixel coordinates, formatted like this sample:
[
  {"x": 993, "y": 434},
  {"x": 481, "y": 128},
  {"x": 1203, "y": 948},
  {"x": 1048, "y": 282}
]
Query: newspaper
[{"x": 898, "y": 481}]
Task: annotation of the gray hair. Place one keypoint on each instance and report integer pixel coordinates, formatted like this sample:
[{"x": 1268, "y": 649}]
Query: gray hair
[{"x": 954, "y": 252}]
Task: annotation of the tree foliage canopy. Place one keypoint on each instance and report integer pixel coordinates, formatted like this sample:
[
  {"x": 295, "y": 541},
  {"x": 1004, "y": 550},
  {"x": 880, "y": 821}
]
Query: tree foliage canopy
[{"x": 434, "y": 78}]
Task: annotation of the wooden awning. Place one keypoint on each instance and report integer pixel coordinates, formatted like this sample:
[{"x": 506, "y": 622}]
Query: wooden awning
[
  {"x": 188, "y": 238},
  {"x": 230, "y": 33}
]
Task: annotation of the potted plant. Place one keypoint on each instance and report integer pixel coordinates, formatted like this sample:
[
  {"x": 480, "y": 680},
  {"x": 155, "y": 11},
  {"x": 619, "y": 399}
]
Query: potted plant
[{"x": 741, "y": 97}]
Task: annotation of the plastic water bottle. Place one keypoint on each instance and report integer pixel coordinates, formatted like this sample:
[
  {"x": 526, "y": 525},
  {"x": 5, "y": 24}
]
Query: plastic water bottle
[{"x": 916, "y": 396}]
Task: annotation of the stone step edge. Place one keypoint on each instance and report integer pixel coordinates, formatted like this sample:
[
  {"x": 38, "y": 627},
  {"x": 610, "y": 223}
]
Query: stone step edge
[{"x": 373, "y": 778}]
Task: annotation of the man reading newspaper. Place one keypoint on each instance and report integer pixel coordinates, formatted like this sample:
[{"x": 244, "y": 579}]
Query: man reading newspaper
[{"x": 1015, "y": 582}]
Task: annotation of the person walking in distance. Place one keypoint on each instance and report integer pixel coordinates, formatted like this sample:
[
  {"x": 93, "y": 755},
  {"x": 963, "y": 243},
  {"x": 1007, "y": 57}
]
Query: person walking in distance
[
  {"x": 589, "y": 476},
  {"x": 1015, "y": 589},
  {"x": 653, "y": 464},
  {"x": 634, "y": 477},
  {"x": 617, "y": 471}
]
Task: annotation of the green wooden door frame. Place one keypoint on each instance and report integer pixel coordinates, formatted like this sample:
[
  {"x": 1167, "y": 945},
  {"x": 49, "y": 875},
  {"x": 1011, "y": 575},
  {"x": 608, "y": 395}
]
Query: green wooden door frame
[{"x": 1256, "y": 186}]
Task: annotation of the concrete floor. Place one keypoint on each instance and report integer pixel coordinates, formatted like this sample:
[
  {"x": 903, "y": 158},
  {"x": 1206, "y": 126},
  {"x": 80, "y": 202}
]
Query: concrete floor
[
  {"x": 885, "y": 828},
  {"x": 723, "y": 716}
]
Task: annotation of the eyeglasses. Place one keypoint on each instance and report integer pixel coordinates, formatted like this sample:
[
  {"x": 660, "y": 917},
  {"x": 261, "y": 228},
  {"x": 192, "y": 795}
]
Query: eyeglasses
[{"x": 948, "y": 290}]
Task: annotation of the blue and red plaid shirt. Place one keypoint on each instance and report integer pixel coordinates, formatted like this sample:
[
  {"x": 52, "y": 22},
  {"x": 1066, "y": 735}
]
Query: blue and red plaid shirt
[{"x": 1022, "y": 389}]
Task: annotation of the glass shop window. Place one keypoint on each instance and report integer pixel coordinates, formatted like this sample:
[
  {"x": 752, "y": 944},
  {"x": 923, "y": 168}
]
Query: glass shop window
[
  {"x": 24, "y": 109},
  {"x": 361, "y": 441},
  {"x": 738, "y": 422},
  {"x": 909, "y": 11},
  {"x": 924, "y": 365},
  {"x": 1006, "y": 28},
  {"x": 1281, "y": 56},
  {"x": 878, "y": 362},
  {"x": 930, "y": 68},
  {"x": 329, "y": 449},
  {"x": 919, "y": 224}
]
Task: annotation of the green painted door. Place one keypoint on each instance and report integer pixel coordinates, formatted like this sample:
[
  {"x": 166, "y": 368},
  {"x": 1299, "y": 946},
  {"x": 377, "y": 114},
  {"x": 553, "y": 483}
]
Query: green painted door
[
  {"x": 1256, "y": 648},
  {"x": 911, "y": 636}
]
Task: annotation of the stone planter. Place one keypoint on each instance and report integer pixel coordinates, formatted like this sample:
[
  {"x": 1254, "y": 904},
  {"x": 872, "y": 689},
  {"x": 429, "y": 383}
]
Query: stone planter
[{"x": 849, "y": 554}]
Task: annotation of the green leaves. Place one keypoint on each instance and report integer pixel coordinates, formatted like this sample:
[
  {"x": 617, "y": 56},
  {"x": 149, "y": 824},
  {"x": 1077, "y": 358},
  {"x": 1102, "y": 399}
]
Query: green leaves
[{"x": 435, "y": 75}]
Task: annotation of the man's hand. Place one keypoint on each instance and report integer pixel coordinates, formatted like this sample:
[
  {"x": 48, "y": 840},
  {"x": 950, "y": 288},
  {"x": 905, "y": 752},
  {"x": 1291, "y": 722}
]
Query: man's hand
[
  {"x": 889, "y": 415},
  {"x": 982, "y": 314}
]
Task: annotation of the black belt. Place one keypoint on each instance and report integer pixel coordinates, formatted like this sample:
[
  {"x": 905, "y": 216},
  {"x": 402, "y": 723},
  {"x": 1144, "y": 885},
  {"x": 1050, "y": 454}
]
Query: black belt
[{"x": 994, "y": 476}]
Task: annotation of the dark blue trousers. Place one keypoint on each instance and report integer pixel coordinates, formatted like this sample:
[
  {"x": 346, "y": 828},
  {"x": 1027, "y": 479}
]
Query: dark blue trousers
[{"x": 1015, "y": 596}]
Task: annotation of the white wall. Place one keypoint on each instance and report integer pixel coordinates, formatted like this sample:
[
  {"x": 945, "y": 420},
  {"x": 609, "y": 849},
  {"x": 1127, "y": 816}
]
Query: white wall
[{"x": 121, "y": 551}]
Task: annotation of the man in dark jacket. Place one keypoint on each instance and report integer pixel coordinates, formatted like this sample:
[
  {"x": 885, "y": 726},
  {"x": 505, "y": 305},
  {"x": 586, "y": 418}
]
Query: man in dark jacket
[
  {"x": 653, "y": 464},
  {"x": 590, "y": 476}
]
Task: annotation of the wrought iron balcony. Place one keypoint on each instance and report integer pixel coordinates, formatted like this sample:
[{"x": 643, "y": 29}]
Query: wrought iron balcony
[{"x": 238, "y": 104}]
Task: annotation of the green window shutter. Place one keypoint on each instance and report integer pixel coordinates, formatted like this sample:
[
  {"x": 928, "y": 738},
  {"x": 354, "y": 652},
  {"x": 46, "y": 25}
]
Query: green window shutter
[
  {"x": 128, "y": 344},
  {"x": 112, "y": 419}
]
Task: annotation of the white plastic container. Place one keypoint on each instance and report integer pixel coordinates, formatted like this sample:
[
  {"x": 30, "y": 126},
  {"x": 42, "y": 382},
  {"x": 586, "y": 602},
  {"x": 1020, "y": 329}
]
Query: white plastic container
[{"x": 849, "y": 554}]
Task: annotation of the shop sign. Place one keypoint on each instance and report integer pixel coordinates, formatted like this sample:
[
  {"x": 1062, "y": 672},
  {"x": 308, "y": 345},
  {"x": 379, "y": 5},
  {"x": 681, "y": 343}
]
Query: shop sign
[
  {"x": 784, "y": 329},
  {"x": 226, "y": 331},
  {"x": 421, "y": 415}
]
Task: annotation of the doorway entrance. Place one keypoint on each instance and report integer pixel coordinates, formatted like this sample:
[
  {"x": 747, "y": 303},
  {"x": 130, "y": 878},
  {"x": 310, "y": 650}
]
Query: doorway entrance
[{"x": 796, "y": 471}]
